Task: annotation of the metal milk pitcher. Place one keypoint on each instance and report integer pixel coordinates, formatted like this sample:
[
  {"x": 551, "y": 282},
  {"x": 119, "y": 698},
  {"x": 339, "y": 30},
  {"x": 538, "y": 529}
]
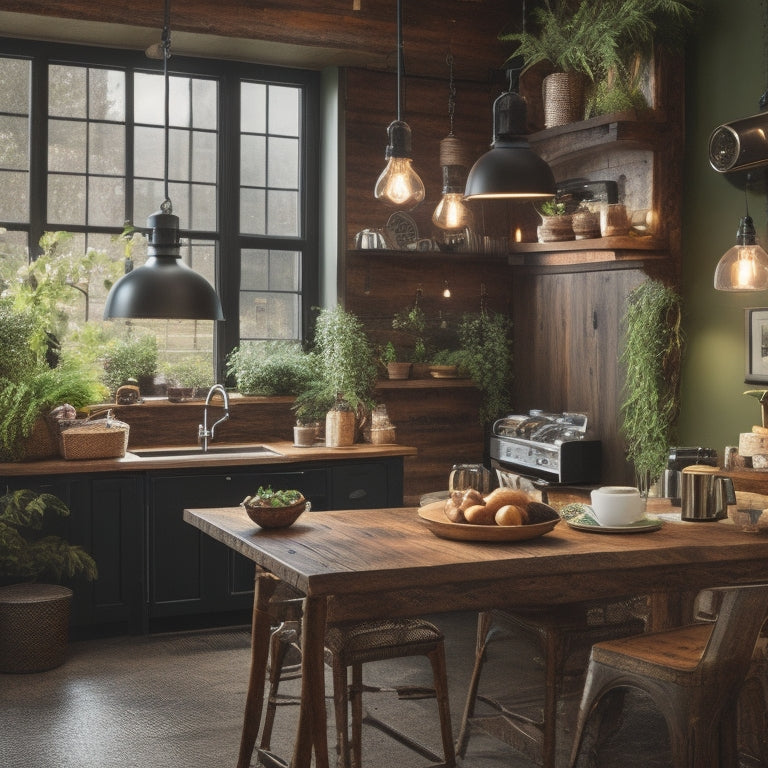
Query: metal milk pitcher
[
  {"x": 464, "y": 476},
  {"x": 705, "y": 494}
]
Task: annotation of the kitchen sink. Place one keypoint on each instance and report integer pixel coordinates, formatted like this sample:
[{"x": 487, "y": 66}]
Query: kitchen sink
[{"x": 261, "y": 450}]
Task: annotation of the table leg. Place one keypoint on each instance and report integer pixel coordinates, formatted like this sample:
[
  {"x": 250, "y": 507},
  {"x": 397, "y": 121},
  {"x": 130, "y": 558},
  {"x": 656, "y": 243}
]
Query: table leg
[
  {"x": 313, "y": 727},
  {"x": 261, "y": 623}
]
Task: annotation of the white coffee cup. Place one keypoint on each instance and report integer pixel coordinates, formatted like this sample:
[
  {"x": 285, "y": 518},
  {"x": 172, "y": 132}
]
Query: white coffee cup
[{"x": 616, "y": 505}]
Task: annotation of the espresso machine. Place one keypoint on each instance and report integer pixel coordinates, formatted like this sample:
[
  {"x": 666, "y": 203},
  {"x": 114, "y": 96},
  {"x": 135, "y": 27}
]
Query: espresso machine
[{"x": 677, "y": 460}]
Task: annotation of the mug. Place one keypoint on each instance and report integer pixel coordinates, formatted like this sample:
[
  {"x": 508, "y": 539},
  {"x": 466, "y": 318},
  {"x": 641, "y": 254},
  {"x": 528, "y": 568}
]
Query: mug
[
  {"x": 464, "y": 476},
  {"x": 705, "y": 494},
  {"x": 616, "y": 505}
]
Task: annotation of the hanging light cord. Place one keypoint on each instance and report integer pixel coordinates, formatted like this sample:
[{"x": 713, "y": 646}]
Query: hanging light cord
[
  {"x": 399, "y": 59},
  {"x": 451, "y": 93},
  {"x": 166, "y": 205}
]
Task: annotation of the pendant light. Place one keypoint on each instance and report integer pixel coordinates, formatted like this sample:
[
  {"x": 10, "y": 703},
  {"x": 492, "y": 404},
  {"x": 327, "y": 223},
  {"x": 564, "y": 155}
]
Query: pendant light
[
  {"x": 511, "y": 169},
  {"x": 399, "y": 185},
  {"x": 164, "y": 287},
  {"x": 452, "y": 213},
  {"x": 744, "y": 267}
]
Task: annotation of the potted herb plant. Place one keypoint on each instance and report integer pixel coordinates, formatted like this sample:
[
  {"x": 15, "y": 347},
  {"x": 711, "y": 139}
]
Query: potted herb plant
[
  {"x": 134, "y": 357},
  {"x": 35, "y": 615},
  {"x": 594, "y": 41},
  {"x": 653, "y": 343},
  {"x": 396, "y": 369},
  {"x": 556, "y": 224},
  {"x": 346, "y": 376}
]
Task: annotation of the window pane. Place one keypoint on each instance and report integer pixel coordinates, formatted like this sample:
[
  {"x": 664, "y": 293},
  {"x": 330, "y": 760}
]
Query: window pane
[
  {"x": 149, "y": 149},
  {"x": 282, "y": 213},
  {"x": 269, "y": 315},
  {"x": 283, "y": 110},
  {"x": 106, "y": 149},
  {"x": 67, "y": 91},
  {"x": 66, "y": 199},
  {"x": 178, "y": 163},
  {"x": 13, "y": 246},
  {"x": 14, "y": 142},
  {"x": 204, "y": 104},
  {"x": 106, "y": 201},
  {"x": 253, "y": 107},
  {"x": 148, "y": 99},
  {"x": 14, "y": 85},
  {"x": 285, "y": 271},
  {"x": 253, "y": 161},
  {"x": 254, "y": 269},
  {"x": 284, "y": 163},
  {"x": 203, "y": 207},
  {"x": 147, "y": 196},
  {"x": 14, "y": 196},
  {"x": 204, "y": 157},
  {"x": 252, "y": 211},
  {"x": 66, "y": 146},
  {"x": 106, "y": 95},
  {"x": 179, "y": 105}
]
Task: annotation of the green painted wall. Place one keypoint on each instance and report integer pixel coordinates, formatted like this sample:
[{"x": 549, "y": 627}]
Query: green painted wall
[{"x": 726, "y": 75}]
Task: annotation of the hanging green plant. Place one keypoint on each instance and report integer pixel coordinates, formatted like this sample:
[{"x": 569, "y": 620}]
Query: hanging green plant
[{"x": 653, "y": 345}]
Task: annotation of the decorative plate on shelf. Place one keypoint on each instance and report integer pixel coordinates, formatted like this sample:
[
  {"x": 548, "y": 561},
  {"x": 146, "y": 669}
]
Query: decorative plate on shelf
[
  {"x": 403, "y": 229},
  {"x": 433, "y": 516}
]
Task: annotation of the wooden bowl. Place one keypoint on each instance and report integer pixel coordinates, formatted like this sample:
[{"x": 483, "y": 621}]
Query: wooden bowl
[{"x": 276, "y": 517}]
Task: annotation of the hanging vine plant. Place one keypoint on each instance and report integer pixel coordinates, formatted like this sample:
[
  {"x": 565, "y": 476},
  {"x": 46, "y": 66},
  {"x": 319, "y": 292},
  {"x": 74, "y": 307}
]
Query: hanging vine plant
[{"x": 653, "y": 345}]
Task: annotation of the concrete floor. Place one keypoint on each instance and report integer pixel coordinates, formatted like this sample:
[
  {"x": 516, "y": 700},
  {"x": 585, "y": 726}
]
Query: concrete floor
[{"x": 176, "y": 701}]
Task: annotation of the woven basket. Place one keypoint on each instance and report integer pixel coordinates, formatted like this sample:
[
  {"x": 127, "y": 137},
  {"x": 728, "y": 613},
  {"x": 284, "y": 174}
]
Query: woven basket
[
  {"x": 563, "y": 97},
  {"x": 98, "y": 439},
  {"x": 34, "y": 626},
  {"x": 40, "y": 444}
]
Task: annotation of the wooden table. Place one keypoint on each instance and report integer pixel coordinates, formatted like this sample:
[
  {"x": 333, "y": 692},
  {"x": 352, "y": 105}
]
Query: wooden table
[{"x": 353, "y": 566}]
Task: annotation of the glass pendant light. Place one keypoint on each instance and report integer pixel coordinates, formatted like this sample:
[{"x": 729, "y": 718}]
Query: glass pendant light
[
  {"x": 744, "y": 267},
  {"x": 452, "y": 213},
  {"x": 399, "y": 185},
  {"x": 164, "y": 287}
]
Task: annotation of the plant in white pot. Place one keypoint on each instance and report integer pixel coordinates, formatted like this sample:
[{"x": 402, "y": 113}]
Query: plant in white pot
[{"x": 34, "y": 615}]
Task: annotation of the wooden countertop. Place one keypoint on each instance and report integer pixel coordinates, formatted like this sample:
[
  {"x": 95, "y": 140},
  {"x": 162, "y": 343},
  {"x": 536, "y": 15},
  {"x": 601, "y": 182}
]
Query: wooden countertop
[{"x": 285, "y": 453}]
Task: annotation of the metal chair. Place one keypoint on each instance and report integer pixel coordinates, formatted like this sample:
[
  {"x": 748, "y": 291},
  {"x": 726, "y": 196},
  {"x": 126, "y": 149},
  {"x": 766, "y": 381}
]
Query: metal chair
[
  {"x": 352, "y": 646},
  {"x": 563, "y": 635},
  {"x": 693, "y": 674}
]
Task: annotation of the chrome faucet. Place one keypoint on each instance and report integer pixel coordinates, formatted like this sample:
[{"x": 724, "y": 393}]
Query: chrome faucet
[{"x": 203, "y": 433}]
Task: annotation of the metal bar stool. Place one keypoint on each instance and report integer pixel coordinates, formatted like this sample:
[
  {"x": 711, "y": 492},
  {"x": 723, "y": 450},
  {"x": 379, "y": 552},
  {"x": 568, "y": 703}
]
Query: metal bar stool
[
  {"x": 564, "y": 635},
  {"x": 352, "y": 646},
  {"x": 693, "y": 674}
]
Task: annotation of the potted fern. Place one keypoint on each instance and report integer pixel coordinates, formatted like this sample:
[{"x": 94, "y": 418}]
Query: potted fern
[
  {"x": 34, "y": 615},
  {"x": 595, "y": 42}
]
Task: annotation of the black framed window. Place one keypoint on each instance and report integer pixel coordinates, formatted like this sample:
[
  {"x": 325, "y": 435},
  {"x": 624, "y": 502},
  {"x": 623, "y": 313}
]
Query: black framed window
[{"x": 82, "y": 150}]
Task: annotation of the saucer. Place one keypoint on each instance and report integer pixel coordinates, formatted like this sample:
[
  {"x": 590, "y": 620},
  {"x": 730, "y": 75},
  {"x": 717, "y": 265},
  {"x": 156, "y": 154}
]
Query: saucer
[{"x": 582, "y": 518}]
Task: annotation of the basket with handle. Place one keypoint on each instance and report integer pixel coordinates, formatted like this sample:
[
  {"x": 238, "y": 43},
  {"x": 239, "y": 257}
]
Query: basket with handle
[{"x": 95, "y": 438}]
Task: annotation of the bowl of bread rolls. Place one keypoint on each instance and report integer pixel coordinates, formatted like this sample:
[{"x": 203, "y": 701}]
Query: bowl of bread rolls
[{"x": 504, "y": 514}]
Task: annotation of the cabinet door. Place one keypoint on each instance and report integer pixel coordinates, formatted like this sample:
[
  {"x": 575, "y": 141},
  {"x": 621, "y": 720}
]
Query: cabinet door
[
  {"x": 190, "y": 573},
  {"x": 367, "y": 484}
]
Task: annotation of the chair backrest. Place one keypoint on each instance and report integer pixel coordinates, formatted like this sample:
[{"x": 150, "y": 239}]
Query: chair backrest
[{"x": 741, "y": 616}]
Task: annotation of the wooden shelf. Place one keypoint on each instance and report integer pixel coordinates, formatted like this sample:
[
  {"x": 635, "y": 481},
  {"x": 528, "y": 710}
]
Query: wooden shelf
[
  {"x": 628, "y": 130},
  {"x": 425, "y": 384}
]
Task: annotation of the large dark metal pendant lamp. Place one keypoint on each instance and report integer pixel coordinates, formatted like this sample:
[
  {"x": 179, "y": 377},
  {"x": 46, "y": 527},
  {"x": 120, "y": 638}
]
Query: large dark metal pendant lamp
[
  {"x": 164, "y": 287},
  {"x": 510, "y": 169}
]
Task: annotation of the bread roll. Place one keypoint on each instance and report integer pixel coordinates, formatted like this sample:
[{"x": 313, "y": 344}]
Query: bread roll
[
  {"x": 479, "y": 514},
  {"x": 495, "y": 500},
  {"x": 470, "y": 498},
  {"x": 540, "y": 513},
  {"x": 453, "y": 510},
  {"x": 510, "y": 514}
]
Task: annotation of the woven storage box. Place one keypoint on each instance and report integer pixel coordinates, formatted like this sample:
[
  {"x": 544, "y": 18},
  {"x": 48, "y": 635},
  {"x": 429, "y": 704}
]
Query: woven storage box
[
  {"x": 98, "y": 439},
  {"x": 34, "y": 626},
  {"x": 41, "y": 443}
]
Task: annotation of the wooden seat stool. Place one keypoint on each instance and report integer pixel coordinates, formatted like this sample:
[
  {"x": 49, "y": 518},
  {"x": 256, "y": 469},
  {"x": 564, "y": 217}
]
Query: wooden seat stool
[
  {"x": 350, "y": 647},
  {"x": 693, "y": 674},
  {"x": 564, "y": 635}
]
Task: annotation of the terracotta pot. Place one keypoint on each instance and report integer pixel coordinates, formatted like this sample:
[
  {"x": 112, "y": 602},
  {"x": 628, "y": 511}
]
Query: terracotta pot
[
  {"x": 398, "y": 370},
  {"x": 563, "y": 97}
]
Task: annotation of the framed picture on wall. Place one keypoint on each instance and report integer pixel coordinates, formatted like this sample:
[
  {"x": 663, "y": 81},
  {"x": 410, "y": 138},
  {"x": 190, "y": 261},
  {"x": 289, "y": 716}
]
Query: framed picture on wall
[{"x": 757, "y": 346}]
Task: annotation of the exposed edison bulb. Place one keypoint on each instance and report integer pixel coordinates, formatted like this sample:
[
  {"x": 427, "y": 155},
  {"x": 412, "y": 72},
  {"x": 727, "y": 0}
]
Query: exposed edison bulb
[
  {"x": 452, "y": 212},
  {"x": 744, "y": 267},
  {"x": 399, "y": 185}
]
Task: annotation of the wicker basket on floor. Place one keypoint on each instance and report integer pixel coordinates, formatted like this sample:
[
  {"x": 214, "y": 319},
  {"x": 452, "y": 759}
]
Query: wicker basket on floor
[{"x": 34, "y": 626}]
